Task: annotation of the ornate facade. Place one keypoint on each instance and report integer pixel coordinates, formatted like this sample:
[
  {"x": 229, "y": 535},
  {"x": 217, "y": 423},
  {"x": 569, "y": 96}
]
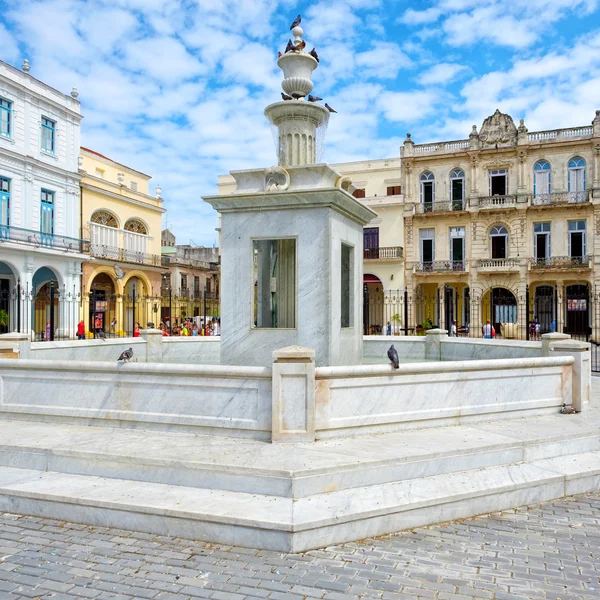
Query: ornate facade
[
  {"x": 40, "y": 245},
  {"x": 504, "y": 222},
  {"x": 121, "y": 279}
]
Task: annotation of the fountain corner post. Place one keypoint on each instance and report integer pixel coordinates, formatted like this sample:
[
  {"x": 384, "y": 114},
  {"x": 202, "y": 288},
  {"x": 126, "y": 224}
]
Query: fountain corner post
[{"x": 292, "y": 242}]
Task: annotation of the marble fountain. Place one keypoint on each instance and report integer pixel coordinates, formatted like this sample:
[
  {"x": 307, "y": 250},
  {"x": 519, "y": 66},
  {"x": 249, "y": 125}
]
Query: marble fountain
[{"x": 277, "y": 435}]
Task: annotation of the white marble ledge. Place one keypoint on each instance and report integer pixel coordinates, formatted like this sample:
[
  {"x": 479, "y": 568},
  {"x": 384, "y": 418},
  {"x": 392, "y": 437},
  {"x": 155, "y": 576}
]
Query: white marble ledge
[
  {"x": 442, "y": 367},
  {"x": 87, "y": 343},
  {"x": 294, "y": 353},
  {"x": 193, "y": 339},
  {"x": 492, "y": 343},
  {"x": 395, "y": 339},
  {"x": 139, "y": 368}
]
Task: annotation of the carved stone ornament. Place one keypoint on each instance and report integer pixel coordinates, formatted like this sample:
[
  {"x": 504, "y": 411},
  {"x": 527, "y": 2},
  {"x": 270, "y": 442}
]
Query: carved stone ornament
[
  {"x": 277, "y": 179},
  {"x": 409, "y": 233},
  {"x": 498, "y": 130},
  {"x": 597, "y": 222},
  {"x": 474, "y": 232}
]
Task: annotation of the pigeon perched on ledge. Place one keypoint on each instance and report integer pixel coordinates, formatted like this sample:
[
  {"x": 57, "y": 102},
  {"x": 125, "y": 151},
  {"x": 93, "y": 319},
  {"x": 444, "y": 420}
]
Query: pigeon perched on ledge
[
  {"x": 296, "y": 22},
  {"x": 126, "y": 355},
  {"x": 393, "y": 356},
  {"x": 285, "y": 96},
  {"x": 568, "y": 410}
]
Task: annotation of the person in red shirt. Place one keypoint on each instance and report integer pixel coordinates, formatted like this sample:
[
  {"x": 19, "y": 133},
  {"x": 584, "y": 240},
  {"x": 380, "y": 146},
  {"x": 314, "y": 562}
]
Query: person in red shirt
[
  {"x": 136, "y": 330},
  {"x": 81, "y": 330}
]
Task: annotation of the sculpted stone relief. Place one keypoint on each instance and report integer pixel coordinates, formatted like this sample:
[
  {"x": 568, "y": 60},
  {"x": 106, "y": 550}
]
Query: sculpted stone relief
[{"x": 498, "y": 130}]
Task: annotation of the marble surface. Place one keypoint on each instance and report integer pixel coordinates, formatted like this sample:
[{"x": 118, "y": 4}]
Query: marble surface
[
  {"x": 365, "y": 399},
  {"x": 474, "y": 348},
  {"x": 198, "y": 350},
  {"x": 83, "y": 350},
  {"x": 236, "y": 400}
]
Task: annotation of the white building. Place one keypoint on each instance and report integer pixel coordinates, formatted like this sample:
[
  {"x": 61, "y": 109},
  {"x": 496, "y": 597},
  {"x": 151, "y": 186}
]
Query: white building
[{"x": 40, "y": 246}]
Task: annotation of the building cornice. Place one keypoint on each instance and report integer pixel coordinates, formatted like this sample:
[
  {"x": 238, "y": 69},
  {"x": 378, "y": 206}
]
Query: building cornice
[
  {"x": 26, "y": 90},
  {"x": 104, "y": 159},
  {"x": 115, "y": 196}
]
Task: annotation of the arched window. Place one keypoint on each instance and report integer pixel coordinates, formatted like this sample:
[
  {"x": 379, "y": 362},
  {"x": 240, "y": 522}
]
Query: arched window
[
  {"x": 136, "y": 226},
  {"x": 136, "y": 241},
  {"x": 102, "y": 217},
  {"x": 104, "y": 234},
  {"x": 457, "y": 189},
  {"x": 499, "y": 241},
  {"x": 541, "y": 182},
  {"x": 427, "y": 191},
  {"x": 577, "y": 180}
]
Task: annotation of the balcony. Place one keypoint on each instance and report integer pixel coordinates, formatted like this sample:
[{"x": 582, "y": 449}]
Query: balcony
[
  {"x": 561, "y": 263},
  {"x": 441, "y": 266},
  {"x": 384, "y": 254},
  {"x": 491, "y": 202},
  {"x": 29, "y": 237},
  {"x": 538, "y": 137},
  {"x": 499, "y": 265},
  {"x": 123, "y": 255},
  {"x": 446, "y": 206},
  {"x": 558, "y": 198}
]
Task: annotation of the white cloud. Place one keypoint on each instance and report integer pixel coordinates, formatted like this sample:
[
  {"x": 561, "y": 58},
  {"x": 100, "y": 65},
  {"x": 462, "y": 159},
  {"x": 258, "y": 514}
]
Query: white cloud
[
  {"x": 407, "y": 107},
  {"x": 383, "y": 61},
  {"x": 441, "y": 73},
  {"x": 9, "y": 50},
  {"x": 420, "y": 17}
]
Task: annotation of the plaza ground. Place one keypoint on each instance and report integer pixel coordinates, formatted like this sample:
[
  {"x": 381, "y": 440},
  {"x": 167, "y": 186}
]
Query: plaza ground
[{"x": 549, "y": 551}]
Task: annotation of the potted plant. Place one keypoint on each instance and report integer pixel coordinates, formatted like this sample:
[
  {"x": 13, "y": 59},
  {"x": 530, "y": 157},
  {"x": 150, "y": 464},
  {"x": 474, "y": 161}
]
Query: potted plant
[
  {"x": 424, "y": 326},
  {"x": 4, "y": 319},
  {"x": 397, "y": 323}
]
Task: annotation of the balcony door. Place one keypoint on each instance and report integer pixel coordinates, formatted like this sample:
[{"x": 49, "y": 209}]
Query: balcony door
[
  {"x": 499, "y": 242},
  {"x": 47, "y": 217},
  {"x": 457, "y": 189},
  {"x": 371, "y": 242},
  {"x": 577, "y": 241},
  {"x": 541, "y": 181},
  {"x": 457, "y": 248},
  {"x": 498, "y": 182},
  {"x": 541, "y": 242},
  {"x": 427, "y": 238},
  {"x": 4, "y": 207}
]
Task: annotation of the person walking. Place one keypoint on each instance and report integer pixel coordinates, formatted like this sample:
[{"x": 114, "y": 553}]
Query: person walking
[
  {"x": 453, "y": 330},
  {"x": 81, "y": 330},
  {"x": 136, "y": 330},
  {"x": 388, "y": 329},
  {"x": 48, "y": 331}
]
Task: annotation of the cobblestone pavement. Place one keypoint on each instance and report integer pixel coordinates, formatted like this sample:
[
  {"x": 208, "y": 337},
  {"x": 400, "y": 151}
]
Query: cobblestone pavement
[{"x": 549, "y": 551}]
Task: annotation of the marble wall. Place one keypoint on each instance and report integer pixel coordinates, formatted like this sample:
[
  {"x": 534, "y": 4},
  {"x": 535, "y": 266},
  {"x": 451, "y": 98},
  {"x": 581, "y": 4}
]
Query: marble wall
[
  {"x": 372, "y": 399},
  {"x": 233, "y": 401},
  {"x": 473, "y": 348}
]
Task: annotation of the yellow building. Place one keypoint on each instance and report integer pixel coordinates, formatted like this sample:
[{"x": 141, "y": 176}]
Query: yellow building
[{"x": 121, "y": 284}]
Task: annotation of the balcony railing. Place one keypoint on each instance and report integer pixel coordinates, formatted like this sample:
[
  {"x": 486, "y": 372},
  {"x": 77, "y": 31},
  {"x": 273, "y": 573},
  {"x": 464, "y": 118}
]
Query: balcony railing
[
  {"x": 499, "y": 264},
  {"x": 445, "y": 206},
  {"x": 384, "y": 253},
  {"x": 497, "y": 201},
  {"x": 560, "y": 262},
  {"x": 558, "y": 198},
  {"x": 560, "y": 134},
  {"x": 29, "y": 237},
  {"x": 123, "y": 255},
  {"x": 441, "y": 266}
]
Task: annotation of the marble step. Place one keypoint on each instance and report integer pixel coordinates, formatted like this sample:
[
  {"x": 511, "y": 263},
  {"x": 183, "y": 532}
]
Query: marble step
[
  {"x": 302, "y": 470},
  {"x": 285, "y": 524}
]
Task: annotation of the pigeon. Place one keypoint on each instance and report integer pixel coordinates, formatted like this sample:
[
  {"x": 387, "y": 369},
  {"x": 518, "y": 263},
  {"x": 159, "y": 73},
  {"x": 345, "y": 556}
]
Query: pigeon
[
  {"x": 119, "y": 273},
  {"x": 100, "y": 334},
  {"x": 296, "y": 22},
  {"x": 329, "y": 108},
  {"x": 594, "y": 342},
  {"x": 289, "y": 47},
  {"x": 126, "y": 355},
  {"x": 285, "y": 96},
  {"x": 296, "y": 96},
  {"x": 279, "y": 54},
  {"x": 567, "y": 410},
  {"x": 314, "y": 54},
  {"x": 299, "y": 47},
  {"x": 393, "y": 356},
  {"x": 314, "y": 98}
]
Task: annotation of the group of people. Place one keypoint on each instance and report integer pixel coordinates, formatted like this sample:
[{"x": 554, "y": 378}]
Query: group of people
[{"x": 191, "y": 328}]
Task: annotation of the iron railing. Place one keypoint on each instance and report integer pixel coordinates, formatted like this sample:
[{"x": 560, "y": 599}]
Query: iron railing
[
  {"x": 441, "y": 266},
  {"x": 440, "y": 207},
  {"x": 560, "y": 262},
  {"x": 30, "y": 237},
  {"x": 497, "y": 201},
  {"x": 558, "y": 198},
  {"x": 383, "y": 253},
  {"x": 123, "y": 255}
]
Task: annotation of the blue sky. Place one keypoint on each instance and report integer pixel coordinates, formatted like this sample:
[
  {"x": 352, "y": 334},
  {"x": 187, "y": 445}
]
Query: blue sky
[{"x": 177, "y": 88}]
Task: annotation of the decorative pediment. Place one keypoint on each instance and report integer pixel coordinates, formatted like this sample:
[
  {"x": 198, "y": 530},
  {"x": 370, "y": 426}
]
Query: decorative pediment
[{"x": 498, "y": 130}]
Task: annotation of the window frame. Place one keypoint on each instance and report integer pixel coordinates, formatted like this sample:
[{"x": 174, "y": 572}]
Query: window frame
[
  {"x": 254, "y": 270},
  {"x": 457, "y": 233},
  {"x": 497, "y": 173},
  {"x": 495, "y": 231},
  {"x": 573, "y": 168},
  {"x": 48, "y": 130},
  {"x": 5, "y": 200},
  {"x": 6, "y": 109},
  {"x": 578, "y": 230},
  {"x": 427, "y": 177},
  {"x": 47, "y": 204},
  {"x": 542, "y": 232},
  {"x": 426, "y": 237},
  {"x": 457, "y": 174},
  {"x": 540, "y": 168}
]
